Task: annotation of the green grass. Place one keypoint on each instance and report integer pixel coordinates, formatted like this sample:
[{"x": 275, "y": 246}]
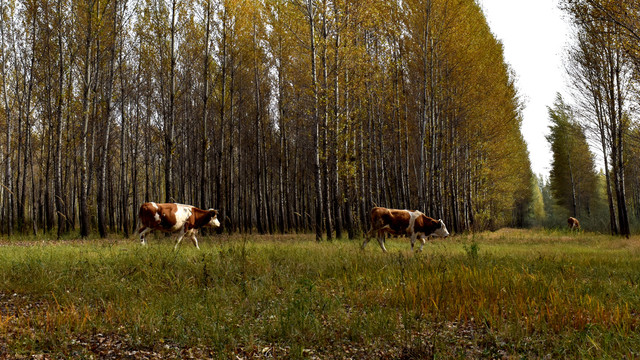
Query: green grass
[{"x": 512, "y": 293}]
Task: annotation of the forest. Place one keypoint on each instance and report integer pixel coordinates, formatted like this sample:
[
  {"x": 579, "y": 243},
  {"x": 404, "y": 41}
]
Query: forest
[{"x": 301, "y": 115}]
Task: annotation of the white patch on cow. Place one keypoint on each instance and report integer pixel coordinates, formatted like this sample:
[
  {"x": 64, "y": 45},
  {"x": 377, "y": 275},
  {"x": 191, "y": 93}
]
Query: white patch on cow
[
  {"x": 413, "y": 215},
  {"x": 156, "y": 217},
  {"x": 154, "y": 205},
  {"x": 182, "y": 214}
]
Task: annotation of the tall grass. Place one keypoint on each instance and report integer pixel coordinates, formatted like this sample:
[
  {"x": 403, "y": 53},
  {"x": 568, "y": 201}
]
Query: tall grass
[{"x": 490, "y": 295}]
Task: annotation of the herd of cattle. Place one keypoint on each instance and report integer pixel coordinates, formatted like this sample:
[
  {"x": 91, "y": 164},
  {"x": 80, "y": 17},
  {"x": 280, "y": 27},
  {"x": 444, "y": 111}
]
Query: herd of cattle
[{"x": 187, "y": 219}]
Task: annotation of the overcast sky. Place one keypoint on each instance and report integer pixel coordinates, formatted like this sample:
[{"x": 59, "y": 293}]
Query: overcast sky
[{"x": 534, "y": 35}]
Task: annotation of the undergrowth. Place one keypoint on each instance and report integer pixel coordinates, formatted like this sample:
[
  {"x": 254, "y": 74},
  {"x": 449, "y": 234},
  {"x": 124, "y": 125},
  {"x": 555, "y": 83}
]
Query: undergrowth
[{"x": 510, "y": 293}]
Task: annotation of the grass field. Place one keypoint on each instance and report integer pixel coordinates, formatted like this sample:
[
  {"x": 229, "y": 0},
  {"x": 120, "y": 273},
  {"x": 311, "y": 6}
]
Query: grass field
[{"x": 511, "y": 293}]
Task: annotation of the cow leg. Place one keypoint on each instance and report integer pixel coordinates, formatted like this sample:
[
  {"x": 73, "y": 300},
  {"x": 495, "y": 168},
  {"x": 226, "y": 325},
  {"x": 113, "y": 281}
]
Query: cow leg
[
  {"x": 422, "y": 239},
  {"x": 180, "y": 236},
  {"x": 143, "y": 231},
  {"x": 381, "y": 241},
  {"x": 192, "y": 234},
  {"x": 367, "y": 237},
  {"x": 364, "y": 243},
  {"x": 414, "y": 236}
]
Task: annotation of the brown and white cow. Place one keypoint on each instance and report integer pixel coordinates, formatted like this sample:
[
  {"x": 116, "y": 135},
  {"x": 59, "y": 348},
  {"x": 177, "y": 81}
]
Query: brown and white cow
[
  {"x": 171, "y": 218},
  {"x": 411, "y": 223},
  {"x": 573, "y": 223}
]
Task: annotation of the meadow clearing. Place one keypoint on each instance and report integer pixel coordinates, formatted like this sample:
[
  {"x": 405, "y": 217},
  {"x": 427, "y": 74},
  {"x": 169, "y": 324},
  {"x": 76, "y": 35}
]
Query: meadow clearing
[{"x": 504, "y": 294}]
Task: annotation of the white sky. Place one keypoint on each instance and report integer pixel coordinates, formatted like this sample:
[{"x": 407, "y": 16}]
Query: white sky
[{"x": 534, "y": 36}]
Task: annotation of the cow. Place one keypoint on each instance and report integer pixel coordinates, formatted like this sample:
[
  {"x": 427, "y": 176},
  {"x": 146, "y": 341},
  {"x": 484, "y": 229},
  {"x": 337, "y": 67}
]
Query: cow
[
  {"x": 171, "y": 218},
  {"x": 411, "y": 223},
  {"x": 573, "y": 223}
]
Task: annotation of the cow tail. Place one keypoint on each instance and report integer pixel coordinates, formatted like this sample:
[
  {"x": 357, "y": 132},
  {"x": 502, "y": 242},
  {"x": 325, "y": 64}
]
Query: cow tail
[
  {"x": 138, "y": 225},
  {"x": 137, "y": 232}
]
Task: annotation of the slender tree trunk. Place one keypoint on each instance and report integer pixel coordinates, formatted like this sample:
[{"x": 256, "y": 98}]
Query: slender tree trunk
[
  {"x": 134, "y": 153},
  {"x": 282, "y": 176},
  {"x": 24, "y": 110},
  {"x": 351, "y": 183},
  {"x": 325, "y": 117},
  {"x": 205, "y": 111},
  {"x": 102, "y": 172},
  {"x": 9, "y": 200},
  {"x": 233, "y": 218},
  {"x": 101, "y": 190},
  {"x": 57, "y": 167},
  {"x": 397, "y": 155},
  {"x": 407, "y": 185},
  {"x": 219, "y": 196},
  {"x": 124, "y": 186},
  {"x": 613, "y": 223},
  {"x": 147, "y": 145},
  {"x": 170, "y": 118},
  {"x": 364, "y": 192},
  {"x": 28, "y": 154},
  {"x": 86, "y": 86},
  {"x": 268, "y": 204},
  {"x": 620, "y": 136},
  {"x": 424, "y": 121},
  {"x": 21, "y": 147},
  {"x": 258, "y": 139},
  {"x": 336, "y": 194},
  {"x": 315, "y": 121},
  {"x": 433, "y": 134},
  {"x": 47, "y": 146},
  {"x": 34, "y": 196}
]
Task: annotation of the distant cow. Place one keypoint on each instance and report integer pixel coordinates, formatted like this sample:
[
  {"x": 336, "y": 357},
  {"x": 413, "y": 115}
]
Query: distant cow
[
  {"x": 171, "y": 218},
  {"x": 573, "y": 223},
  {"x": 411, "y": 223}
]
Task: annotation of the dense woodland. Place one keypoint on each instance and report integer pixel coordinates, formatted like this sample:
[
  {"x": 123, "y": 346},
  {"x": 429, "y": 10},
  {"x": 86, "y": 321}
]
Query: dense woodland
[
  {"x": 603, "y": 64},
  {"x": 286, "y": 115}
]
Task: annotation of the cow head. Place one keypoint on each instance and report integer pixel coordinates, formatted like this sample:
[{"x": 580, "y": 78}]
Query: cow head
[
  {"x": 214, "y": 223},
  {"x": 442, "y": 230}
]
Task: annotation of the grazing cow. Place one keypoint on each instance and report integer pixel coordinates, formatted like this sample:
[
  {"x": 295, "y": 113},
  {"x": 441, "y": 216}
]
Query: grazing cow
[
  {"x": 411, "y": 223},
  {"x": 170, "y": 217},
  {"x": 573, "y": 223}
]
